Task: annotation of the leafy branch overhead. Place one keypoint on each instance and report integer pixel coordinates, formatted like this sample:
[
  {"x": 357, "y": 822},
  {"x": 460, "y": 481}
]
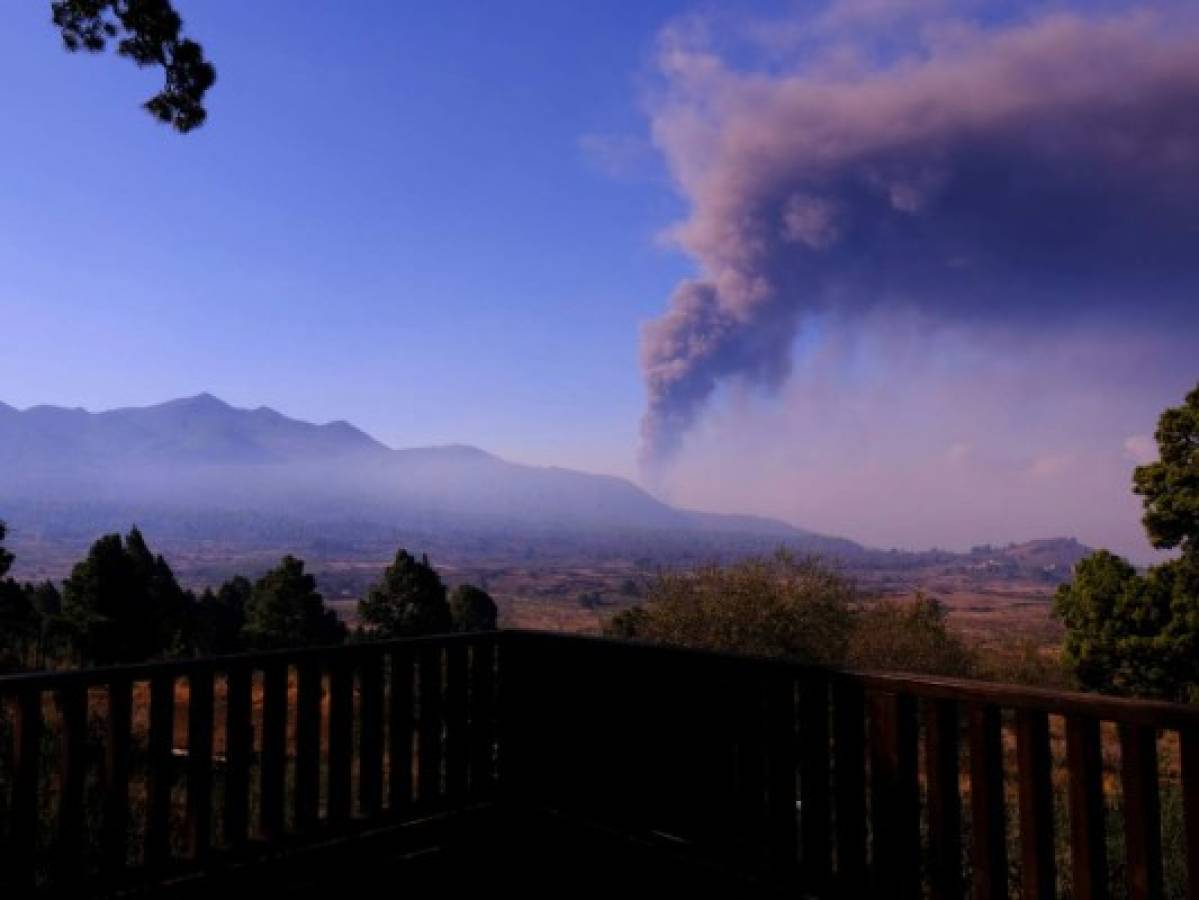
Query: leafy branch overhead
[{"x": 148, "y": 32}]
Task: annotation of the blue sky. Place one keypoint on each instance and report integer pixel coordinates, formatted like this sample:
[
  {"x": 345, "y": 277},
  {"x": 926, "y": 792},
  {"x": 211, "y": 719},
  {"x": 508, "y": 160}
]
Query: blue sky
[
  {"x": 449, "y": 223},
  {"x": 390, "y": 217}
]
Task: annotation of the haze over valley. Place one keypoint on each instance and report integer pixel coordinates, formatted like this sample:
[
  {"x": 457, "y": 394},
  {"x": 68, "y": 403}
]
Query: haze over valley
[{"x": 223, "y": 490}]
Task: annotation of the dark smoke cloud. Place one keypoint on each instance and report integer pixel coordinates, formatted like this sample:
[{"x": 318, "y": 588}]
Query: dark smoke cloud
[{"x": 1037, "y": 174}]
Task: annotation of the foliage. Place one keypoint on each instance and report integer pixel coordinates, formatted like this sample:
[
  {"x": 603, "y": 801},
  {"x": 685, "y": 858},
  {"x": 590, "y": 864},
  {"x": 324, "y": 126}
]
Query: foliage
[
  {"x": 628, "y": 624},
  {"x": 123, "y": 604},
  {"x": 284, "y": 609},
  {"x": 6, "y": 558},
  {"x": 20, "y": 625},
  {"x": 908, "y": 637},
  {"x": 29, "y": 617},
  {"x": 410, "y": 599},
  {"x": 1169, "y": 488},
  {"x": 1133, "y": 633},
  {"x": 220, "y": 617},
  {"x": 764, "y": 606},
  {"x": 472, "y": 609},
  {"x": 147, "y": 32},
  {"x": 1128, "y": 633},
  {"x": 1014, "y": 660}
]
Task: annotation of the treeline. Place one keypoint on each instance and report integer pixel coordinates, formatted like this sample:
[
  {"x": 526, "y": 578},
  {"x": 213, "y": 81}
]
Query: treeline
[
  {"x": 810, "y": 611},
  {"x": 1127, "y": 631},
  {"x": 122, "y": 603}
]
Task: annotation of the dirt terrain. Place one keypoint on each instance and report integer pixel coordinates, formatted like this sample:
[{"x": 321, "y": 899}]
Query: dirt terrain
[{"x": 990, "y": 592}]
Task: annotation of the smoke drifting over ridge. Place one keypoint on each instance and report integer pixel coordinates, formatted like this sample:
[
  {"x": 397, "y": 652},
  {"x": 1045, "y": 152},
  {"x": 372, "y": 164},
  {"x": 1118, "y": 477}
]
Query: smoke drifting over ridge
[{"x": 1040, "y": 173}]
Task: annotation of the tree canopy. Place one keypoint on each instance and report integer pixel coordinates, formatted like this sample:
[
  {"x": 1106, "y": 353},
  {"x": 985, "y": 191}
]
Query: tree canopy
[
  {"x": 908, "y": 637},
  {"x": 1134, "y": 633},
  {"x": 285, "y": 610},
  {"x": 410, "y": 599},
  {"x": 6, "y": 558},
  {"x": 1169, "y": 488},
  {"x": 123, "y": 604},
  {"x": 220, "y": 616},
  {"x": 20, "y": 624},
  {"x": 472, "y": 609},
  {"x": 764, "y": 606},
  {"x": 149, "y": 32}
]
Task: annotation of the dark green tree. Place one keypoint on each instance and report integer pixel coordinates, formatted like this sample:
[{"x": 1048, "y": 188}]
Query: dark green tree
[
  {"x": 54, "y": 633},
  {"x": 6, "y": 558},
  {"x": 123, "y": 604},
  {"x": 1133, "y": 633},
  {"x": 285, "y": 610},
  {"x": 778, "y": 605},
  {"x": 20, "y": 626},
  {"x": 149, "y": 33},
  {"x": 1169, "y": 488},
  {"x": 408, "y": 600},
  {"x": 220, "y": 616},
  {"x": 472, "y": 609}
]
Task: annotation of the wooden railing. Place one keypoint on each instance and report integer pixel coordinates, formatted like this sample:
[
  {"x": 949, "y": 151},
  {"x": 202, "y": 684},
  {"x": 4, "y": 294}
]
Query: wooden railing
[
  {"x": 835, "y": 784},
  {"x": 852, "y": 785},
  {"x": 146, "y": 773}
]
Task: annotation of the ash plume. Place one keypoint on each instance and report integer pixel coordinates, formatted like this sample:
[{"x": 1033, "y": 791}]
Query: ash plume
[{"x": 1034, "y": 174}]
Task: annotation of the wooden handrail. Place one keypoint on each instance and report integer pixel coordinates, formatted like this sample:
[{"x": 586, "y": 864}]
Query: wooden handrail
[
  {"x": 145, "y": 671},
  {"x": 791, "y": 773},
  {"x": 1156, "y": 713}
]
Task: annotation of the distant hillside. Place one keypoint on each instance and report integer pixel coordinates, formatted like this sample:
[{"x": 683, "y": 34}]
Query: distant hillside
[
  {"x": 1051, "y": 557},
  {"x": 201, "y": 468},
  {"x": 1061, "y": 553}
]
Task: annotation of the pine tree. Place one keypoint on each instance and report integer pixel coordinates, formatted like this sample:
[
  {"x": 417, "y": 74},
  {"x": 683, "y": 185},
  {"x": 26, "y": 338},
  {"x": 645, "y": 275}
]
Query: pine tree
[
  {"x": 472, "y": 609},
  {"x": 409, "y": 600},
  {"x": 123, "y": 604},
  {"x": 285, "y": 610}
]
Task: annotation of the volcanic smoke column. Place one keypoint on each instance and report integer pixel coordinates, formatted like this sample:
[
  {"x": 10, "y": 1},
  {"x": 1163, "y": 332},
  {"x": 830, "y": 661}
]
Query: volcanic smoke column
[{"x": 1041, "y": 175}]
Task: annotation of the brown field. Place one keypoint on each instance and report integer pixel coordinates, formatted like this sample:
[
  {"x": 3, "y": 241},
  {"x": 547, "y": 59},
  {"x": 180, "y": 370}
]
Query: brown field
[{"x": 581, "y": 599}]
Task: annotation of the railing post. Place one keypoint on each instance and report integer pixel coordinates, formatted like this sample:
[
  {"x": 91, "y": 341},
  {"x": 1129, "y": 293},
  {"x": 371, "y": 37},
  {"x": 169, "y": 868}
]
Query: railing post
[
  {"x": 73, "y": 705},
  {"x": 115, "y": 834},
  {"x": 815, "y": 805},
  {"x": 430, "y": 730},
  {"x": 272, "y": 770},
  {"x": 238, "y": 745},
  {"x": 199, "y": 762},
  {"x": 849, "y": 778},
  {"x": 161, "y": 773},
  {"x": 1188, "y": 738},
  {"x": 21, "y": 865},
  {"x": 399, "y": 732},
  {"x": 750, "y": 769},
  {"x": 1034, "y": 767},
  {"x": 457, "y": 753},
  {"x": 895, "y": 810},
  {"x": 482, "y": 719},
  {"x": 988, "y": 820},
  {"x": 370, "y": 748},
  {"x": 309, "y": 689},
  {"x": 341, "y": 733},
  {"x": 1088, "y": 850},
  {"x": 1142, "y": 811},
  {"x": 942, "y": 769}
]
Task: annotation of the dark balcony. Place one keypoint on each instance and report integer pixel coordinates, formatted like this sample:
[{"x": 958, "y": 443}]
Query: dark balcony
[{"x": 569, "y": 766}]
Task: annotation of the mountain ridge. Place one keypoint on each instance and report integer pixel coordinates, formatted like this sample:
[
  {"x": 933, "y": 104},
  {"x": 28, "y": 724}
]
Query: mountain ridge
[
  {"x": 204, "y": 452},
  {"x": 203, "y": 470}
]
